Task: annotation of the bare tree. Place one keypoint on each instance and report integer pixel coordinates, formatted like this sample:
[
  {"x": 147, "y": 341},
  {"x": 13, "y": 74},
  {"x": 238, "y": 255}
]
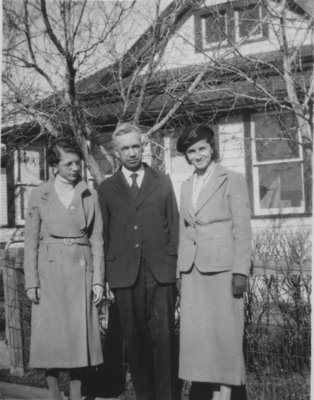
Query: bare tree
[
  {"x": 292, "y": 28},
  {"x": 46, "y": 47},
  {"x": 62, "y": 43},
  {"x": 49, "y": 47}
]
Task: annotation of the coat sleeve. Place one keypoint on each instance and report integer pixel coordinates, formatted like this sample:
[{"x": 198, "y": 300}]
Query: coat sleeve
[
  {"x": 173, "y": 218},
  {"x": 105, "y": 215},
  {"x": 241, "y": 219},
  {"x": 97, "y": 245},
  {"x": 31, "y": 242}
]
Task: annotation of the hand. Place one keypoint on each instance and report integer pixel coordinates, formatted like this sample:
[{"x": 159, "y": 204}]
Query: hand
[
  {"x": 33, "y": 294},
  {"x": 239, "y": 285},
  {"x": 109, "y": 293},
  {"x": 98, "y": 291}
]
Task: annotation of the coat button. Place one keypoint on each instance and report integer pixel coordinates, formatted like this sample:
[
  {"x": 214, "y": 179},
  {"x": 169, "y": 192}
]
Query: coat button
[
  {"x": 82, "y": 262},
  {"x": 137, "y": 246},
  {"x": 135, "y": 227},
  {"x": 72, "y": 208}
]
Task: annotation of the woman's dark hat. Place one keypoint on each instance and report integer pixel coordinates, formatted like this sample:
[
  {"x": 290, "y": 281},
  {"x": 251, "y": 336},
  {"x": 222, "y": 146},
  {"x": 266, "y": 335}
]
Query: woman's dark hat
[{"x": 191, "y": 136}]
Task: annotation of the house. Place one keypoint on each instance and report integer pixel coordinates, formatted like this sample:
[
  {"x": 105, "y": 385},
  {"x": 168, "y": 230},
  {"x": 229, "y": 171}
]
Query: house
[{"x": 242, "y": 95}]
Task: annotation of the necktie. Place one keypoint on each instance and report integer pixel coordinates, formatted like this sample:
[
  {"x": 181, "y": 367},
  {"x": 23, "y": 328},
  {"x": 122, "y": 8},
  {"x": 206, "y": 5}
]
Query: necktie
[{"x": 134, "y": 186}]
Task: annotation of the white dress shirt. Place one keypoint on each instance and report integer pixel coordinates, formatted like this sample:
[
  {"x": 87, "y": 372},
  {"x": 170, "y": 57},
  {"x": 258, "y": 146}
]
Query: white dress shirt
[
  {"x": 140, "y": 175},
  {"x": 200, "y": 181}
]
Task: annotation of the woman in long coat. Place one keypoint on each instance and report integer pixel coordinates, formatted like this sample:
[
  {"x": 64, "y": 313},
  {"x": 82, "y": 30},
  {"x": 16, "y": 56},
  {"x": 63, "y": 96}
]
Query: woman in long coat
[
  {"x": 213, "y": 263},
  {"x": 64, "y": 271}
]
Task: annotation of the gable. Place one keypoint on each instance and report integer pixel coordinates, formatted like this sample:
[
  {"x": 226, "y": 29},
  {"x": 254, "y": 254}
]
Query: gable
[{"x": 218, "y": 29}]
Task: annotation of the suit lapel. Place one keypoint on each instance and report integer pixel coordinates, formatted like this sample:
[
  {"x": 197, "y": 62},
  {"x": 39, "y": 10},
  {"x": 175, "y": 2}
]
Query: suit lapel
[
  {"x": 150, "y": 181},
  {"x": 215, "y": 181},
  {"x": 121, "y": 187}
]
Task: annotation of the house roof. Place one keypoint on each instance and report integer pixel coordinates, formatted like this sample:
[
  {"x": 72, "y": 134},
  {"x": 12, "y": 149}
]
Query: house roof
[
  {"x": 217, "y": 88},
  {"x": 215, "y": 94},
  {"x": 137, "y": 54},
  {"x": 305, "y": 5}
]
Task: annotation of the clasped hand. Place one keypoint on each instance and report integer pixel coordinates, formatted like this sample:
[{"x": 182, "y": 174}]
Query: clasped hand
[
  {"x": 33, "y": 294},
  {"x": 98, "y": 291}
]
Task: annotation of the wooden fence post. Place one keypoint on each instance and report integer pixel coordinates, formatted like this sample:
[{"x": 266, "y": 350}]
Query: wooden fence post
[{"x": 13, "y": 281}]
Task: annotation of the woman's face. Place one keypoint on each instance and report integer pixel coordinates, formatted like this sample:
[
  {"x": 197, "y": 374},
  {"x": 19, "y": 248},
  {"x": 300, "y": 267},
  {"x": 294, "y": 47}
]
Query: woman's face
[
  {"x": 200, "y": 155},
  {"x": 69, "y": 166}
]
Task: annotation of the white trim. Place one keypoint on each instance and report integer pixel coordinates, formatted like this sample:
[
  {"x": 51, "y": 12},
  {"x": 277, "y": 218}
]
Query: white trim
[{"x": 28, "y": 182}]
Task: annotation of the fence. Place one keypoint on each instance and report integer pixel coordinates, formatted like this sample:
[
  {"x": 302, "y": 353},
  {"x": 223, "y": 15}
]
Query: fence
[
  {"x": 17, "y": 309},
  {"x": 278, "y": 336},
  {"x": 277, "y": 342}
]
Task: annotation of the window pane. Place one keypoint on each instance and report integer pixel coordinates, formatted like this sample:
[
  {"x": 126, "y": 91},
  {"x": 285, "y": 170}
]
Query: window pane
[
  {"x": 280, "y": 185},
  {"x": 276, "y": 138},
  {"x": 32, "y": 165},
  {"x": 22, "y": 193},
  {"x": 215, "y": 27},
  {"x": 249, "y": 17}
]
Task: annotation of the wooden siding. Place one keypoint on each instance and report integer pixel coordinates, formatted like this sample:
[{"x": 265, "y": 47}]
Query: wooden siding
[{"x": 231, "y": 143}]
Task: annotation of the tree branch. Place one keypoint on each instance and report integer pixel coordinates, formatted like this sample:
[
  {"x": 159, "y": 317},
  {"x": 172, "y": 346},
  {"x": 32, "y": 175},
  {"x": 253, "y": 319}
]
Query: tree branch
[{"x": 49, "y": 29}]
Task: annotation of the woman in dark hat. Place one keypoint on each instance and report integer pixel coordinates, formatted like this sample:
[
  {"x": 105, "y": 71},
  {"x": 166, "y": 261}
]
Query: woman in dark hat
[{"x": 213, "y": 264}]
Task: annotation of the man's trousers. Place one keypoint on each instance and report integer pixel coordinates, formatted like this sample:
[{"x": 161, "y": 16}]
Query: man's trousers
[{"x": 147, "y": 317}]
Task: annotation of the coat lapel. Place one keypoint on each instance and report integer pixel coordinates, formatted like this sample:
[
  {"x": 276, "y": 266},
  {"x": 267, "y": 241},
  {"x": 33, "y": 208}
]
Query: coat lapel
[
  {"x": 49, "y": 199},
  {"x": 51, "y": 202},
  {"x": 150, "y": 181},
  {"x": 83, "y": 195},
  {"x": 214, "y": 183},
  {"x": 121, "y": 187}
]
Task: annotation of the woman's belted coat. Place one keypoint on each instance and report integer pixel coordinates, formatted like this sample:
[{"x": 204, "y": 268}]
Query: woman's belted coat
[{"x": 65, "y": 330}]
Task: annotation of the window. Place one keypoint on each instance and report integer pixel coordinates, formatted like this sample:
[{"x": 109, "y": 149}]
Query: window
[
  {"x": 218, "y": 25},
  {"x": 278, "y": 184},
  {"x": 29, "y": 172},
  {"x": 248, "y": 23},
  {"x": 215, "y": 27}
]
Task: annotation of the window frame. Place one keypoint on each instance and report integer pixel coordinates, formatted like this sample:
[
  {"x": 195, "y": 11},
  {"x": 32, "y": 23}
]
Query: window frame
[
  {"x": 222, "y": 12},
  {"x": 232, "y": 25},
  {"x": 258, "y": 211},
  {"x": 255, "y": 37},
  {"x": 20, "y": 184}
]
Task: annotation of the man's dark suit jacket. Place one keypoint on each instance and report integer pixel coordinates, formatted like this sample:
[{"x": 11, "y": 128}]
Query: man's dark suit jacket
[{"x": 146, "y": 225}]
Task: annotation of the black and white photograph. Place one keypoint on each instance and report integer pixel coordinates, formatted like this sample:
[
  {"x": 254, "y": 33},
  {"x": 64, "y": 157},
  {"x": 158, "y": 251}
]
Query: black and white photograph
[{"x": 156, "y": 199}]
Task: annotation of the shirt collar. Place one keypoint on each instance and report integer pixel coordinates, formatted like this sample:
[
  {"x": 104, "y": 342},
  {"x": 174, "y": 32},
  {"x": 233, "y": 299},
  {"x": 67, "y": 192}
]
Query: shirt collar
[
  {"x": 127, "y": 173},
  {"x": 210, "y": 170}
]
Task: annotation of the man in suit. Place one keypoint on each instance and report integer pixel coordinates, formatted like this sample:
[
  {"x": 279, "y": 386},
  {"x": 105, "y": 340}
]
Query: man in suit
[{"x": 141, "y": 236}]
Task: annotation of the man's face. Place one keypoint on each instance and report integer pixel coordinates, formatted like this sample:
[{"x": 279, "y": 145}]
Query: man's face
[{"x": 129, "y": 149}]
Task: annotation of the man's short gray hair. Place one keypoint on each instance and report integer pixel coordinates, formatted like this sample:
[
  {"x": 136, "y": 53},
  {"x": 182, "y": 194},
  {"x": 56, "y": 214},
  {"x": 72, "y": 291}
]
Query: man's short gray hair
[{"x": 124, "y": 128}]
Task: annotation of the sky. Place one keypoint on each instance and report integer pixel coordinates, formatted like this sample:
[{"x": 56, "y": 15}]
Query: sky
[{"x": 95, "y": 22}]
